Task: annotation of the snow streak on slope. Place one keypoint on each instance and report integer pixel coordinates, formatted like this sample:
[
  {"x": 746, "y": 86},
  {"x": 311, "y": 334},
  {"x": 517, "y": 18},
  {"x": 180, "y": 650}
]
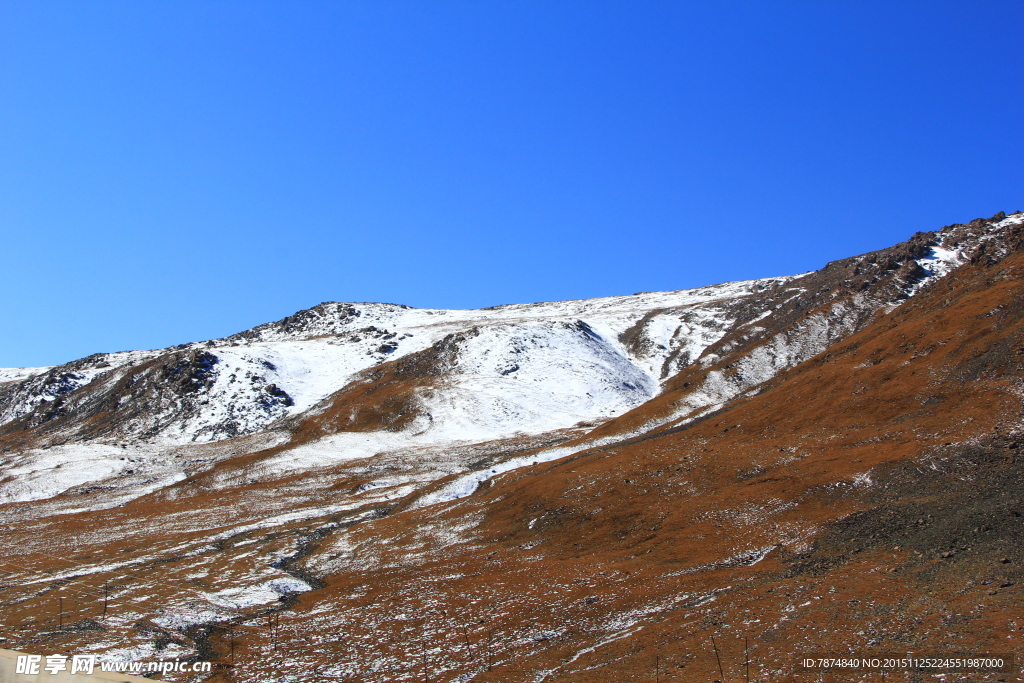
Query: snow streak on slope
[
  {"x": 42, "y": 473},
  {"x": 535, "y": 378},
  {"x": 19, "y": 374}
]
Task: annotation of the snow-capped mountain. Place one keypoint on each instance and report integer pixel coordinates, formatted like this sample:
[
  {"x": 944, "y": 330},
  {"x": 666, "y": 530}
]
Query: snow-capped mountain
[
  {"x": 351, "y": 413},
  {"x": 471, "y": 375},
  {"x": 530, "y": 367},
  {"x": 544, "y": 366}
]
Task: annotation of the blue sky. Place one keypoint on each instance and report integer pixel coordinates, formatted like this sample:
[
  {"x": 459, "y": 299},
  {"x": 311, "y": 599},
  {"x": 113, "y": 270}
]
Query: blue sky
[{"x": 177, "y": 171}]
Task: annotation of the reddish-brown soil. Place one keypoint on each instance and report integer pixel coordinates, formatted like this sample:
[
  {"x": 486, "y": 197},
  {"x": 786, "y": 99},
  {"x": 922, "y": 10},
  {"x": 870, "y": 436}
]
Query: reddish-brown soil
[{"x": 884, "y": 473}]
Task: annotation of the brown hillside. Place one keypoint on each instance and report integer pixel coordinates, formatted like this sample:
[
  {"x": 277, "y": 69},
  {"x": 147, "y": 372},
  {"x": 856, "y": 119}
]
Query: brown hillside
[{"x": 879, "y": 482}]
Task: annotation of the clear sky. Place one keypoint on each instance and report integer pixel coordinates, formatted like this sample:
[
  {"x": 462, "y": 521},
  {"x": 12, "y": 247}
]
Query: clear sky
[{"x": 177, "y": 171}]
